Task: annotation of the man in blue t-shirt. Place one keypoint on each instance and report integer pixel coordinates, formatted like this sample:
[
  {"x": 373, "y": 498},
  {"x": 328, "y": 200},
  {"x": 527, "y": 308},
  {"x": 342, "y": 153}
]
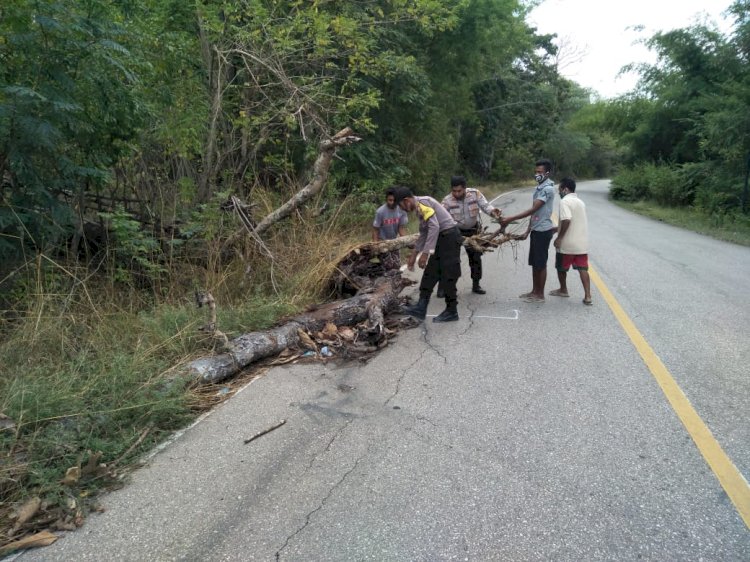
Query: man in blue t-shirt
[
  {"x": 541, "y": 228},
  {"x": 390, "y": 221}
]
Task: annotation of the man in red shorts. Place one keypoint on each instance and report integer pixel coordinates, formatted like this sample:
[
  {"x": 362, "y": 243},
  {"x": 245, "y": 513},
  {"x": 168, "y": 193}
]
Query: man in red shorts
[{"x": 572, "y": 241}]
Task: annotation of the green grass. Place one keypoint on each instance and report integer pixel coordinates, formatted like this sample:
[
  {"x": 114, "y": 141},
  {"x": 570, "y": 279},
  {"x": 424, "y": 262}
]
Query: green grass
[
  {"x": 728, "y": 227},
  {"x": 79, "y": 377}
]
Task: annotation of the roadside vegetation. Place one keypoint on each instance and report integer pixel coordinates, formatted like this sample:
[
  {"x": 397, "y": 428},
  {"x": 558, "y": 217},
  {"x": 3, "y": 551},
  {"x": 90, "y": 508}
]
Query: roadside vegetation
[
  {"x": 685, "y": 132},
  {"x": 733, "y": 228},
  {"x": 133, "y": 141}
]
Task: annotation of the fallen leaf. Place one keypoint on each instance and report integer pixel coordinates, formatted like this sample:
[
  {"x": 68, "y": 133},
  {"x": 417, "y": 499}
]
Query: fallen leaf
[
  {"x": 61, "y": 525},
  {"x": 72, "y": 475},
  {"x": 92, "y": 466},
  {"x": 306, "y": 340},
  {"x": 330, "y": 330},
  {"x": 347, "y": 333},
  {"x": 26, "y": 512},
  {"x": 45, "y": 538}
]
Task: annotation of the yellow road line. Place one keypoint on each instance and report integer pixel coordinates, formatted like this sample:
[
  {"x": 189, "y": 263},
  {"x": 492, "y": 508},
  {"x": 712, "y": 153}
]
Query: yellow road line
[{"x": 731, "y": 479}]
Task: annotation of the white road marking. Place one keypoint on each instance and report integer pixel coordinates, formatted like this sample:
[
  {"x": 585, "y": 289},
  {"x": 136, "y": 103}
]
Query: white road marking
[{"x": 515, "y": 316}]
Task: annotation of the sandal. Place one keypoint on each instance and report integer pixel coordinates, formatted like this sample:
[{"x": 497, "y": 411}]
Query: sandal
[
  {"x": 587, "y": 302},
  {"x": 558, "y": 293}
]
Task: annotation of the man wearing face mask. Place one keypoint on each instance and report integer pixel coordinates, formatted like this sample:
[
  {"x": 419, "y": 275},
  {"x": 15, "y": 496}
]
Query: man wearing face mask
[
  {"x": 464, "y": 205},
  {"x": 572, "y": 241},
  {"x": 540, "y": 227}
]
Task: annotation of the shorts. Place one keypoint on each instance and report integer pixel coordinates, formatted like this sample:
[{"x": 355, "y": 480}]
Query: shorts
[
  {"x": 539, "y": 248},
  {"x": 578, "y": 261}
]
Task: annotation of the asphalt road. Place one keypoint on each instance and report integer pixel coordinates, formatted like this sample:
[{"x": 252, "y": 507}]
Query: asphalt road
[{"x": 522, "y": 432}]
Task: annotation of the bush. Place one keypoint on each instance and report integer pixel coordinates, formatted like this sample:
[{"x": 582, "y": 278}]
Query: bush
[
  {"x": 659, "y": 182},
  {"x": 629, "y": 184}
]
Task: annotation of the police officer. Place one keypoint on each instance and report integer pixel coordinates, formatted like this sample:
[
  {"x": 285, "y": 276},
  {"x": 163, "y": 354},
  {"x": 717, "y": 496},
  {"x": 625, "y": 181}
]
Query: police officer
[
  {"x": 464, "y": 205},
  {"x": 439, "y": 250}
]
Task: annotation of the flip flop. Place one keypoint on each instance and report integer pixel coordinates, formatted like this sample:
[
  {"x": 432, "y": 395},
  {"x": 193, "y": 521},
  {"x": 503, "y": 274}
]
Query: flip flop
[
  {"x": 533, "y": 299},
  {"x": 557, "y": 293},
  {"x": 587, "y": 302},
  {"x": 525, "y": 295}
]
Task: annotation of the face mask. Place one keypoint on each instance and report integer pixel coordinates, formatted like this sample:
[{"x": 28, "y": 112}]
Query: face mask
[{"x": 539, "y": 178}]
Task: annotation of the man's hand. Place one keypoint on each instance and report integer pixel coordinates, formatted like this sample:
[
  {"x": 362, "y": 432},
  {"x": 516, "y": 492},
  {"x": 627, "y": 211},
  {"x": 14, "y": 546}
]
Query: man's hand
[
  {"x": 558, "y": 242},
  {"x": 497, "y": 213},
  {"x": 410, "y": 261},
  {"x": 506, "y": 221},
  {"x": 423, "y": 261}
]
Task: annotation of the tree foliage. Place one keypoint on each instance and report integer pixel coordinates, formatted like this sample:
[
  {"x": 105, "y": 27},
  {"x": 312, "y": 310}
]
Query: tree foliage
[
  {"x": 115, "y": 106},
  {"x": 691, "y": 114}
]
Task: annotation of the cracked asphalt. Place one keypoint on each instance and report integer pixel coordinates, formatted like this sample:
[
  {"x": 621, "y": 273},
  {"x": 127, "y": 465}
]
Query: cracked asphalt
[{"x": 522, "y": 432}]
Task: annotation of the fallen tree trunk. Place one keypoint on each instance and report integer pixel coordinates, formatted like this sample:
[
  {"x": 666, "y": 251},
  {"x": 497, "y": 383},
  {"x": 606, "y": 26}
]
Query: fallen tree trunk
[
  {"x": 319, "y": 176},
  {"x": 370, "y": 306},
  {"x": 483, "y": 242},
  {"x": 377, "y": 286},
  {"x": 370, "y": 260}
]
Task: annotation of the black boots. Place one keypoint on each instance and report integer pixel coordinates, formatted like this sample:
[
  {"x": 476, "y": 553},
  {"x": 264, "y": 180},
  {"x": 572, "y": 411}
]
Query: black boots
[
  {"x": 475, "y": 288},
  {"x": 418, "y": 310},
  {"x": 450, "y": 314}
]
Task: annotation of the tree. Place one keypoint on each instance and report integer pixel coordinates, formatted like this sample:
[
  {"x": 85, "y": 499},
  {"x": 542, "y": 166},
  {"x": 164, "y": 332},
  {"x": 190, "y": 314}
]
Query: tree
[{"x": 67, "y": 113}]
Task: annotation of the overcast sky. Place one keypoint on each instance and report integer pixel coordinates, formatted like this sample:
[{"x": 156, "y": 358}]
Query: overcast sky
[{"x": 597, "y": 36}]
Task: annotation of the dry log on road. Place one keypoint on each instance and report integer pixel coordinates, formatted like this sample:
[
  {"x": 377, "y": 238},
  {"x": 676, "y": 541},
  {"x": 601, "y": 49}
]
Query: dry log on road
[
  {"x": 371, "y": 260},
  {"x": 370, "y": 305}
]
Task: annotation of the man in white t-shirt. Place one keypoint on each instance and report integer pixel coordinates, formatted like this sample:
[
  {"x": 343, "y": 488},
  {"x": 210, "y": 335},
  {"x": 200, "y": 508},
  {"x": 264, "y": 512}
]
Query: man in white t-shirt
[{"x": 572, "y": 241}]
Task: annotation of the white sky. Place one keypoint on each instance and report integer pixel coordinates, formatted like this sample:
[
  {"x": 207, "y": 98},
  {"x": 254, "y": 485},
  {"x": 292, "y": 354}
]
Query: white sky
[{"x": 597, "y": 36}]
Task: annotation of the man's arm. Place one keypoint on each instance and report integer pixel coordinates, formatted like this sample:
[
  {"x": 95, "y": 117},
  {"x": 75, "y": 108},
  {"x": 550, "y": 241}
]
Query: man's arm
[
  {"x": 486, "y": 208},
  {"x": 375, "y": 234},
  {"x": 538, "y": 204},
  {"x": 401, "y": 230}
]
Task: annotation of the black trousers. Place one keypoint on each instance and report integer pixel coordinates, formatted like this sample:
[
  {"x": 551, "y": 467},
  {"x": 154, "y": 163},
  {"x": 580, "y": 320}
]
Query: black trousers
[
  {"x": 443, "y": 266},
  {"x": 475, "y": 258}
]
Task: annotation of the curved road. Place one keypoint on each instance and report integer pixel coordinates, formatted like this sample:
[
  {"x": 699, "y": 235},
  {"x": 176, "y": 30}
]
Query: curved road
[{"x": 521, "y": 432}]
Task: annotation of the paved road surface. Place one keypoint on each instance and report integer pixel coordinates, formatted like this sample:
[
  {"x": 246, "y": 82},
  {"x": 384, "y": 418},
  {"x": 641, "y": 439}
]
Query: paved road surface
[{"x": 522, "y": 432}]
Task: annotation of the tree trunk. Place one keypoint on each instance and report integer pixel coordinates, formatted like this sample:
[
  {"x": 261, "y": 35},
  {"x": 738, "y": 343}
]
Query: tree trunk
[{"x": 249, "y": 348}]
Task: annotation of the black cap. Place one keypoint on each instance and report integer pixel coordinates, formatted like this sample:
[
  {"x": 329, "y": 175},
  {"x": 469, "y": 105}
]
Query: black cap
[{"x": 402, "y": 193}]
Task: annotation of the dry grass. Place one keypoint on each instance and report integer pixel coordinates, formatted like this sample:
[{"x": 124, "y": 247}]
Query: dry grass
[{"x": 85, "y": 356}]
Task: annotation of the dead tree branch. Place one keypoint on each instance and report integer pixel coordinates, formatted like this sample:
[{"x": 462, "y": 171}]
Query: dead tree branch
[{"x": 319, "y": 176}]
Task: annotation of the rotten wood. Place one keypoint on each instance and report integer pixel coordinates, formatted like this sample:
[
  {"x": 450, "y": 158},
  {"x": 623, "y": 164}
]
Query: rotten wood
[
  {"x": 374, "y": 259},
  {"x": 368, "y": 307},
  {"x": 485, "y": 241}
]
